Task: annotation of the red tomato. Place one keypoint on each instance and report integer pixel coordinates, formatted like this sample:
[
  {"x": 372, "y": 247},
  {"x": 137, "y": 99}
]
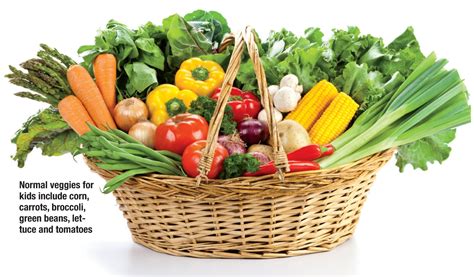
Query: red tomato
[
  {"x": 244, "y": 104},
  {"x": 192, "y": 155},
  {"x": 180, "y": 131}
]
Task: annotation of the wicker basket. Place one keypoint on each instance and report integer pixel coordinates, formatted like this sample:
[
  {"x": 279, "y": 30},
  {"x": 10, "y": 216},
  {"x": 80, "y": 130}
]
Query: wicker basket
[{"x": 286, "y": 214}]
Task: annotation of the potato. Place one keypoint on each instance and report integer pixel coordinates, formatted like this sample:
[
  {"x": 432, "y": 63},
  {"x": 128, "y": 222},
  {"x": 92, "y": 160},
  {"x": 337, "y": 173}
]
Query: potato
[
  {"x": 262, "y": 148},
  {"x": 292, "y": 135}
]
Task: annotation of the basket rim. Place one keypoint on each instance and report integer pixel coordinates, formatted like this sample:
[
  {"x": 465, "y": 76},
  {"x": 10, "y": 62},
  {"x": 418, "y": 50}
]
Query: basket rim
[{"x": 390, "y": 152}]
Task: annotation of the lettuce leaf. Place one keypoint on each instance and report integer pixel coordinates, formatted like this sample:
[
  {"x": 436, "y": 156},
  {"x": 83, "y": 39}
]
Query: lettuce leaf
[
  {"x": 426, "y": 150},
  {"x": 140, "y": 77},
  {"x": 364, "y": 86},
  {"x": 45, "y": 130},
  {"x": 303, "y": 63},
  {"x": 211, "y": 23},
  {"x": 184, "y": 41},
  {"x": 403, "y": 54}
]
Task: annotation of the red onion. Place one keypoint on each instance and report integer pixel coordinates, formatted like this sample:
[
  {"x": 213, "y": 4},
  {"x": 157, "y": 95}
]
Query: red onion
[
  {"x": 262, "y": 158},
  {"x": 253, "y": 131},
  {"x": 233, "y": 144}
]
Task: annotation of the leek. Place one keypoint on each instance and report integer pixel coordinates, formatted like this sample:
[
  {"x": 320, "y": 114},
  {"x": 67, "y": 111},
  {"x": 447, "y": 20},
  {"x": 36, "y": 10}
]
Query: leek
[{"x": 430, "y": 100}]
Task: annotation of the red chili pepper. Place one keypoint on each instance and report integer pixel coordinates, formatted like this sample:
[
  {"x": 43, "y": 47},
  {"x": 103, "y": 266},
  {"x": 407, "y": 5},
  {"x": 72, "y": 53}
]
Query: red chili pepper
[
  {"x": 327, "y": 150},
  {"x": 306, "y": 153},
  {"x": 244, "y": 104},
  {"x": 295, "y": 166}
]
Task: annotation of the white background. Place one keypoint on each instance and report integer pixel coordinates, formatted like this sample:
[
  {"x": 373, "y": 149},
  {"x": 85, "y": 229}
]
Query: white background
[{"x": 416, "y": 222}]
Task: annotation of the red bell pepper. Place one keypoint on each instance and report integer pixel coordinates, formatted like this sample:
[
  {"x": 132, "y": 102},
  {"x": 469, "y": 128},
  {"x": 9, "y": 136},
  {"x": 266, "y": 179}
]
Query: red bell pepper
[
  {"x": 244, "y": 104},
  {"x": 295, "y": 166}
]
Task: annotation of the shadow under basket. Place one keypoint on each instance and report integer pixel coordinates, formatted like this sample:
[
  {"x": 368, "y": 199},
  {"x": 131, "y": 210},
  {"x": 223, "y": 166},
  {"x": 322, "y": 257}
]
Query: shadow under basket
[{"x": 251, "y": 217}]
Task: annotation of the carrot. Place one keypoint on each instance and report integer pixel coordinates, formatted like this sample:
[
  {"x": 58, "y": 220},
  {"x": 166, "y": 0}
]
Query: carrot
[
  {"x": 87, "y": 91},
  {"x": 105, "y": 71},
  {"x": 74, "y": 113}
]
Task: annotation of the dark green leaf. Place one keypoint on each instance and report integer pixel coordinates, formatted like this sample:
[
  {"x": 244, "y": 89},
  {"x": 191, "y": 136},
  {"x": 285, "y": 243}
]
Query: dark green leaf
[
  {"x": 212, "y": 24},
  {"x": 151, "y": 53},
  {"x": 237, "y": 164},
  {"x": 42, "y": 130},
  {"x": 65, "y": 142},
  {"x": 184, "y": 41},
  {"x": 140, "y": 77}
]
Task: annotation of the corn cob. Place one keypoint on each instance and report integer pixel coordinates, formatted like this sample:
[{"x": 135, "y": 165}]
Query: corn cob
[
  {"x": 334, "y": 120},
  {"x": 313, "y": 104}
]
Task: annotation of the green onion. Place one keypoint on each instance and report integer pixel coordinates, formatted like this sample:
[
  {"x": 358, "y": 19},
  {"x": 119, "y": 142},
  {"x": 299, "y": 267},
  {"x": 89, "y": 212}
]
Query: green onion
[{"x": 430, "y": 100}]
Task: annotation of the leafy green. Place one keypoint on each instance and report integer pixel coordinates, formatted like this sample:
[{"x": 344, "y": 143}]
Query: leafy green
[
  {"x": 366, "y": 87},
  {"x": 212, "y": 24},
  {"x": 205, "y": 106},
  {"x": 428, "y": 149},
  {"x": 302, "y": 62},
  {"x": 184, "y": 41},
  {"x": 237, "y": 164},
  {"x": 152, "y": 54},
  {"x": 64, "y": 142},
  {"x": 140, "y": 77},
  {"x": 284, "y": 52},
  {"x": 404, "y": 54},
  {"x": 45, "y": 130}
]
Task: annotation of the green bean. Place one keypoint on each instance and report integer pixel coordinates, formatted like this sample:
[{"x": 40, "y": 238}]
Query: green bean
[
  {"x": 171, "y": 155},
  {"x": 95, "y": 153},
  {"x": 148, "y": 151},
  {"x": 117, "y": 147},
  {"x": 119, "y": 166},
  {"x": 148, "y": 162},
  {"x": 102, "y": 153},
  {"x": 124, "y": 136},
  {"x": 140, "y": 160},
  {"x": 134, "y": 144},
  {"x": 112, "y": 161},
  {"x": 118, "y": 180},
  {"x": 104, "y": 134}
]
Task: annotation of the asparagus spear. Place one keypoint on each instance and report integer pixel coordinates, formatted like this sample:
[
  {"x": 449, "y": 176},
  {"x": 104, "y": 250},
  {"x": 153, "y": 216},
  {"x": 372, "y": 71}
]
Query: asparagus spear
[
  {"x": 45, "y": 76},
  {"x": 67, "y": 61},
  {"x": 36, "y": 97},
  {"x": 50, "y": 62},
  {"x": 36, "y": 65}
]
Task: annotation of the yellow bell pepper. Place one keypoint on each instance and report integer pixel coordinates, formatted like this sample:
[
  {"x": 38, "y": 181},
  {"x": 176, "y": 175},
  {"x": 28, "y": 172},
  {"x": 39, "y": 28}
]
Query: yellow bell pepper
[
  {"x": 168, "y": 98},
  {"x": 202, "y": 77}
]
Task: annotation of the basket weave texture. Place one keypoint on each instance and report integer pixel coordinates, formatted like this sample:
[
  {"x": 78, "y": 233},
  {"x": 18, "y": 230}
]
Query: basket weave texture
[{"x": 281, "y": 215}]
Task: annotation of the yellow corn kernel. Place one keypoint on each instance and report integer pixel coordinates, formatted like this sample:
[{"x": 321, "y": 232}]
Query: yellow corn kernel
[
  {"x": 311, "y": 107},
  {"x": 334, "y": 120}
]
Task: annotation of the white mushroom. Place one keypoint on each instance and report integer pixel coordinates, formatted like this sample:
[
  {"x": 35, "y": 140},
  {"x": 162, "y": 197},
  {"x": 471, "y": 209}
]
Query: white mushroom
[
  {"x": 273, "y": 89},
  {"x": 262, "y": 115},
  {"x": 299, "y": 89},
  {"x": 289, "y": 80},
  {"x": 286, "y": 99}
]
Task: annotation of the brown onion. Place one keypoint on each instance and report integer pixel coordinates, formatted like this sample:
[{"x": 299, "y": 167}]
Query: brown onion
[
  {"x": 144, "y": 132},
  {"x": 130, "y": 111}
]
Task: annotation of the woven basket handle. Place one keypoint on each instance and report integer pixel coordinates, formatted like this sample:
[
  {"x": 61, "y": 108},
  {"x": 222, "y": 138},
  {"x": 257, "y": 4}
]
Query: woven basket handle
[{"x": 280, "y": 159}]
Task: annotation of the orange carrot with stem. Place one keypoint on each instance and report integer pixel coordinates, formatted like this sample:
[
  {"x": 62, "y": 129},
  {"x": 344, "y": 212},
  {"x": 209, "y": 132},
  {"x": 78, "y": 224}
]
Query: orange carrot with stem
[
  {"x": 75, "y": 114},
  {"x": 87, "y": 91},
  {"x": 105, "y": 71}
]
